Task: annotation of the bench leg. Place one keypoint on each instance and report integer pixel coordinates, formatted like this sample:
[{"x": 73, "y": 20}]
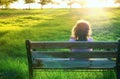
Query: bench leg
[
  {"x": 30, "y": 72},
  {"x": 118, "y": 70},
  {"x": 118, "y": 75},
  {"x": 30, "y": 75},
  {"x": 118, "y": 62}
]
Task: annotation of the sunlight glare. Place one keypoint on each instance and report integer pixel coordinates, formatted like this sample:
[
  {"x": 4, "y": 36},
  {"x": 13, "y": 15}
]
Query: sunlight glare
[
  {"x": 75, "y": 5},
  {"x": 94, "y": 3},
  {"x": 100, "y": 3},
  {"x": 63, "y": 4}
]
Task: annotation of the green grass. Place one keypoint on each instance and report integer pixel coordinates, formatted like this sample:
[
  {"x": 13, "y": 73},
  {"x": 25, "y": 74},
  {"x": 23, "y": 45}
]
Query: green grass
[
  {"x": 79, "y": 74},
  {"x": 50, "y": 25}
]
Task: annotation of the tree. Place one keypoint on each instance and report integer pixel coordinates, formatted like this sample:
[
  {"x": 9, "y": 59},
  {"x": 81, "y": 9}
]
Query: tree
[
  {"x": 6, "y": 3},
  {"x": 117, "y": 1},
  {"x": 54, "y": 3},
  {"x": 1, "y": 4},
  {"x": 81, "y": 2},
  {"x": 70, "y": 3},
  {"x": 44, "y": 2},
  {"x": 29, "y": 2}
]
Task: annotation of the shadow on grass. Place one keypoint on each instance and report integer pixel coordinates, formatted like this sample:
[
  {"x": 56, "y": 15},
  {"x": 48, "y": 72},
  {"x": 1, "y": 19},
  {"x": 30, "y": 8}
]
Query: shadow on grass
[
  {"x": 12, "y": 74},
  {"x": 2, "y": 33},
  {"x": 13, "y": 68}
]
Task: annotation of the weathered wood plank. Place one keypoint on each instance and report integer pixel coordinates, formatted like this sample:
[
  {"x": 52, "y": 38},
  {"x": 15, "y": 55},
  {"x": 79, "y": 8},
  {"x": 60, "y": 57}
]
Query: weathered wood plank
[
  {"x": 75, "y": 64},
  {"x": 95, "y": 54},
  {"x": 67, "y": 44}
]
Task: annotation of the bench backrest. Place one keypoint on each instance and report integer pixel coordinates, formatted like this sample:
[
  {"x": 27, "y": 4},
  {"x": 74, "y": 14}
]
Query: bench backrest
[{"x": 58, "y": 54}]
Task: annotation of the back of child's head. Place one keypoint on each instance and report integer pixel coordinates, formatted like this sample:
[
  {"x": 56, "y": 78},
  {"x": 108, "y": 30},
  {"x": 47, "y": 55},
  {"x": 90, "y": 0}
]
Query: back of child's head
[{"x": 81, "y": 30}]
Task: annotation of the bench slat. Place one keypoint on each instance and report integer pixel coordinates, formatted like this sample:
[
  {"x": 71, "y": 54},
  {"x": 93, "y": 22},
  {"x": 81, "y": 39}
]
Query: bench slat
[
  {"x": 95, "y": 54},
  {"x": 75, "y": 64},
  {"x": 67, "y": 44}
]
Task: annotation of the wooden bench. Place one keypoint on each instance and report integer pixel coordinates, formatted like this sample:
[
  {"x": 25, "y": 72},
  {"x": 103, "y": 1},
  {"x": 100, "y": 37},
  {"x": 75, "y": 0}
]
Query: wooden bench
[{"x": 57, "y": 55}]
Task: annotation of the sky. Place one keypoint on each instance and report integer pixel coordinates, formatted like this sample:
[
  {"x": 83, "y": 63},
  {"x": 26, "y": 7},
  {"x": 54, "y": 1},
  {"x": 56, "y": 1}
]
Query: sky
[{"x": 90, "y": 3}]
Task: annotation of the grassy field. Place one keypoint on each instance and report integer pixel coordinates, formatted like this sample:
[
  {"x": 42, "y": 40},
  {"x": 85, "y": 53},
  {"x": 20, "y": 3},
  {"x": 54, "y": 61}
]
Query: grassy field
[{"x": 50, "y": 25}]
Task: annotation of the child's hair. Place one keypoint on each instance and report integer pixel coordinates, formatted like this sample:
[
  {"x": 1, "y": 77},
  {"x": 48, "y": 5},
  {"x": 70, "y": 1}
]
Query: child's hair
[{"x": 81, "y": 30}]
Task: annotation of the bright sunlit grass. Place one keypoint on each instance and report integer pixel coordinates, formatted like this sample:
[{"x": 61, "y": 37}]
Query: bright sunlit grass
[{"x": 11, "y": 28}]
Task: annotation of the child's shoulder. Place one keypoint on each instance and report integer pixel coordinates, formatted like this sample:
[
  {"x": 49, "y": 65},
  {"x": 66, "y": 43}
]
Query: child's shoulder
[
  {"x": 72, "y": 39},
  {"x": 90, "y": 39}
]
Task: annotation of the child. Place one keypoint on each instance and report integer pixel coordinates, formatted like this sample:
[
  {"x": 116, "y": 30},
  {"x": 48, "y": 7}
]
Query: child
[{"x": 81, "y": 32}]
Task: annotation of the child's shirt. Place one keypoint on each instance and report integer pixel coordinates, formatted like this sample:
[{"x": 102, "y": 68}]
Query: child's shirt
[{"x": 80, "y": 50}]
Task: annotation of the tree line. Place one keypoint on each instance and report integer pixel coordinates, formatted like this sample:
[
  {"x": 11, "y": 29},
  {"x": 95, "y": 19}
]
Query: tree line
[{"x": 6, "y": 3}]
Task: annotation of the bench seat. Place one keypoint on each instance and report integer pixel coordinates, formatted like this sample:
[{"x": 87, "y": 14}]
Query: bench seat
[
  {"x": 58, "y": 55},
  {"x": 64, "y": 63}
]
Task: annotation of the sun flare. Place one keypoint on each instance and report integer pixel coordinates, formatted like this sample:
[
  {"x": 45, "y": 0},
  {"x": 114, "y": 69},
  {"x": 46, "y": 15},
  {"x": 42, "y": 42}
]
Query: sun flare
[
  {"x": 95, "y": 3},
  {"x": 100, "y": 3}
]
